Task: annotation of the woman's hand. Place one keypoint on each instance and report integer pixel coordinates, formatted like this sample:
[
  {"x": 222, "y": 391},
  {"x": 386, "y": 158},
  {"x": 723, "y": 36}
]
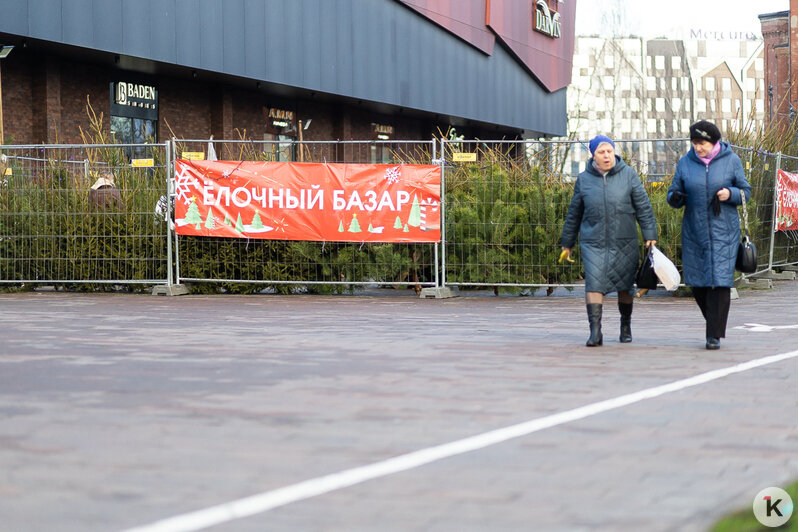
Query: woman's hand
[
  {"x": 723, "y": 194},
  {"x": 565, "y": 255},
  {"x": 650, "y": 243}
]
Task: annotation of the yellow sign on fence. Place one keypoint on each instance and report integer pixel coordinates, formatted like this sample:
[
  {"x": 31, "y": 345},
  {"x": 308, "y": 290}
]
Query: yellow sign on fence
[
  {"x": 194, "y": 155},
  {"x": 142, "y": 163},
  {"x": 465, "y": 157}
]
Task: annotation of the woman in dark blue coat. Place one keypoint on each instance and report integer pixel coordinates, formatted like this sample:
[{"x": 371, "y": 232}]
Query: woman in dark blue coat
[
  {"x": 609, "y": 201},
  {"x": 709, "y": 182}
]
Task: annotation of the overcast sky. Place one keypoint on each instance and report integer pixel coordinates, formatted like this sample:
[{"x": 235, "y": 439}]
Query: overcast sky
[{"x": 674, "y": 19}]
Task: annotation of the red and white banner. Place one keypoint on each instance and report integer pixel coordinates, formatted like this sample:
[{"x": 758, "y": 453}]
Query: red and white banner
[
  {"x": 308, "y": 201},
  {"x": 787, "y": 203}
]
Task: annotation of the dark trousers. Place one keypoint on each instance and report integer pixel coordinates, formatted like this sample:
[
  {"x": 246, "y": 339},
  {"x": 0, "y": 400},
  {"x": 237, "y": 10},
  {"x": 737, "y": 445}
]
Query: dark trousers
[{"x": 714, "y": 304}]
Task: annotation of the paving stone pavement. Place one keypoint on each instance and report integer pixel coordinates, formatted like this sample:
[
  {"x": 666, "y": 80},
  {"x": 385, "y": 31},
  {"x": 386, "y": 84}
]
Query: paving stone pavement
[{"x": 118, "y": 410}]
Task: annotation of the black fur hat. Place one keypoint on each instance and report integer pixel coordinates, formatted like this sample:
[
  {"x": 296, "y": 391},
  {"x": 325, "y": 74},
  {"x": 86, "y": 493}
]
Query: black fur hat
[{"x": 704, "y": 130}]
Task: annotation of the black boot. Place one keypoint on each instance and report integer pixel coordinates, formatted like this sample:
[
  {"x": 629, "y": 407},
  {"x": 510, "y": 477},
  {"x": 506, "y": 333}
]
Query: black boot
[
  {"x": 626, "y": 322},
  {"x": 594, "y": 317}
]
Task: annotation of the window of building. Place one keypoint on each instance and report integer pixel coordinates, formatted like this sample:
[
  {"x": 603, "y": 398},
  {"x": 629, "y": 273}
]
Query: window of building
[
  {"x": 280, "y": 131},
  {"x": 676, "y": 104},
  {"x": 685, "y": 124},
  {"x": 279, "y": 147},
  {"x": 709, "y": 83},
  {"x": 134, "y": 115},
  {"x": 676, "y": 62},
  {"x": 609, "y": 83},
  {"x": 660, "y": 105},
  {"x": 651, "y": 83},
  {"x": 726, "y": 84},
  {"x": 701, "y": 105},
  {"x": 725, "y": 105},
  {"x": 712, "y": 106},
  {"x": 674, "y": 84},
  {"x": 651, "y": 125},
  {"x": 659, "y": 62},
  {"x": 608, "y": 61}
]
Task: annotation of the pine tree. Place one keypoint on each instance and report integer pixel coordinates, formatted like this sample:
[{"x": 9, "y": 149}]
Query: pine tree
[{"x": 415, "y": 213}]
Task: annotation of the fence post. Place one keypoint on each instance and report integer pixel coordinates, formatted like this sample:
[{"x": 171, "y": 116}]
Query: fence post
[
  {"x": 774, "y": 210},
  {"x": 172, "y": 287},
  {"x": 440, "y": 291}
]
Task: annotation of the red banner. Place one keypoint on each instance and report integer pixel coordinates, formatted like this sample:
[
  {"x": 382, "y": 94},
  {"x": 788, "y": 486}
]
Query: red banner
[
  {"x": 308, "y": 201},
  {"x": 787, "y": 204}
]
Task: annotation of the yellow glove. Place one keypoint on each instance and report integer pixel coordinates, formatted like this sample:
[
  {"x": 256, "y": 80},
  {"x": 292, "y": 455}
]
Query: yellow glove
[{"x": 564, "y": 256}]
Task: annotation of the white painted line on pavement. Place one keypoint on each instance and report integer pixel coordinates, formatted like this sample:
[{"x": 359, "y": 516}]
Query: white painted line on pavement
[{"x": 263, "y": 502}]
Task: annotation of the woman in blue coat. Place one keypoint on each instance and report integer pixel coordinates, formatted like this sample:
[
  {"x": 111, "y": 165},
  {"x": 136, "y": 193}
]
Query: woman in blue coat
[
  {"x": 708, "y": 183},
  {"x": 609, "y": 201}
]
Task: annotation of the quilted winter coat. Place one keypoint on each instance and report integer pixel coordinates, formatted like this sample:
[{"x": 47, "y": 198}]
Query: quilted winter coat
[
  {"x": 709, "y": 242},
  {"x": 603, "y": 213}
]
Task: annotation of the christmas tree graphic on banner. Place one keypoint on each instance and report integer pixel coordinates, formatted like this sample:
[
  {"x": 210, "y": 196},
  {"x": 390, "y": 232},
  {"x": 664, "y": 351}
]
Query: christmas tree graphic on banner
[
  {"x": 209, "y": 224},
  {"x": 415, "y": 214},
  {"x": 398, "y": 223},
  {"x": 354, "y": 227},
  {"x": 192, "y": 216}
]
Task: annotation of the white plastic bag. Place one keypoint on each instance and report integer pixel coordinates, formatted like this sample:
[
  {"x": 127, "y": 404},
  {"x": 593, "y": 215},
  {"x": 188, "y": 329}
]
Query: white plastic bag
[{"x": 666, "y": 270}]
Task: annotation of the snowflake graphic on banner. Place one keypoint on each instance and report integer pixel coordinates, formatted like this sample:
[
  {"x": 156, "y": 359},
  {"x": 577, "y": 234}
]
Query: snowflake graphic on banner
[
  {"x": 393, "y": 174},
  {"x": 184, "y": 184}
]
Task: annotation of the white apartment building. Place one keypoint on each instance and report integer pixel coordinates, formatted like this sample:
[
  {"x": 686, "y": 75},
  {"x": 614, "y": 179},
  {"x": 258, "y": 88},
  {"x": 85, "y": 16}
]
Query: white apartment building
[{"x": 642, "y": 92}]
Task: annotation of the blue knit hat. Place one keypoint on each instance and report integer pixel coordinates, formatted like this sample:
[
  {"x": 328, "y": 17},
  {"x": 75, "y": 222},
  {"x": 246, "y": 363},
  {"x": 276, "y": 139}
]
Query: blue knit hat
[{"x": 598, "y": 140}]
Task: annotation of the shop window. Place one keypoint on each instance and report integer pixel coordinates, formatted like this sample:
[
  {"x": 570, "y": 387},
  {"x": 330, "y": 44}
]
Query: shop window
[
  {"x": 134, "y": 115},
  {"x": 134, "y": 131},
  {"x": 280, "y": 147}
]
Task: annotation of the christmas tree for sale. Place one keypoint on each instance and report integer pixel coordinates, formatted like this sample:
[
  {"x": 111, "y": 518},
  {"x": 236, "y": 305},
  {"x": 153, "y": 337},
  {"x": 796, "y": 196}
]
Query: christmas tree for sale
[{"x": 415, "y": 213}]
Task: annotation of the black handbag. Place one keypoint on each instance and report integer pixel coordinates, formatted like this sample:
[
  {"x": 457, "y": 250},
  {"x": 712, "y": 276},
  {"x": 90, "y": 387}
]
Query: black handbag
[
  {"x": 646, "y": 278},
  {"x": 746, "y": 250}
]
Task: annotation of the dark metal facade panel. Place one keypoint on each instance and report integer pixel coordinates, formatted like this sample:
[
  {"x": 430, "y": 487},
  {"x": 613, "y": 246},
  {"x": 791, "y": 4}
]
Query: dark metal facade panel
[
  {"x": 106, "y": 20},
  {"x": 375, "y": 50},
  {"x": 188, "y": 48},
  {"x": 44, "y": 19},
  {"x": 76, "y": 26}
]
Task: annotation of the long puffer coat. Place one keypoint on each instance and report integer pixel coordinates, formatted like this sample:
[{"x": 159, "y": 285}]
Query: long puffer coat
[
  {"x": 603, "y": 212},
  {"x": 709, "y": 242}
]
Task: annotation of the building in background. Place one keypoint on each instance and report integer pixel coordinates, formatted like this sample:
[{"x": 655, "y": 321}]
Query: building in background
[
  {"x": 780, "y": 97},
  {"x": 352, "y": 69},
  {"x": 636, "y": 89}
]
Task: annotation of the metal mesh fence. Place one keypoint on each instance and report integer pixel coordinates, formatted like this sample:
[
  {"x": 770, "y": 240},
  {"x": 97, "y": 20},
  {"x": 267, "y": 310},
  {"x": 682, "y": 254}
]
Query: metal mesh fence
[
  {"x": 504, "y": 209},
  {"x": 783, "y": 249},
  {"x": 291, "y": 265},
  {"x": 505, "y": 202},
  {"x": 82, "y": 214}
]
